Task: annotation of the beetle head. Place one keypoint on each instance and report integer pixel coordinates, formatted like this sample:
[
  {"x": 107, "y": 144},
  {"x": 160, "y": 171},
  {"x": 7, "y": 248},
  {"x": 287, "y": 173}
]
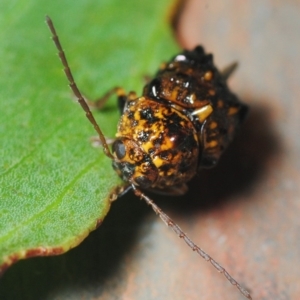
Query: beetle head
[{"x": 132, "y": 163}]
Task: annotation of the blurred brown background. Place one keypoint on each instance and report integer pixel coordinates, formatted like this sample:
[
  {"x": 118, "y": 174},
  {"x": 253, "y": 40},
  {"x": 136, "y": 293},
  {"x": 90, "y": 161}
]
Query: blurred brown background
[{"x": 253, "y": 225}]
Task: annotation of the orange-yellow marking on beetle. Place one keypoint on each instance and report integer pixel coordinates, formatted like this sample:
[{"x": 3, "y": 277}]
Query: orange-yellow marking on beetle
[
  {"x": 208, "y": 76},
  {"x": 212, "y": 92},
  {"x": 213, "y": 125},
  {"x": 203, "y": 112},
  {"x": 220, "y": 104},
  {"x": 232, "y": 111},
  {"x": 212, "y": 144}
]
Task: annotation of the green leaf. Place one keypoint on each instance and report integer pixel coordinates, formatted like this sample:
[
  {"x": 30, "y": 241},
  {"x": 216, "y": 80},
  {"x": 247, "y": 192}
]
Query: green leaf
[{"x": 54, "y": 184}]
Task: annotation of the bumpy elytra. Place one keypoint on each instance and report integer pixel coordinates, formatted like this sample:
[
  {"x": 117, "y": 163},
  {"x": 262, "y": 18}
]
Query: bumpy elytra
[{"x": 184, "y": 120}]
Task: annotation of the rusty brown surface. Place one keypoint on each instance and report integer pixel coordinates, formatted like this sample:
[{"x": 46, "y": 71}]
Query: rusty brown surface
[
  {"x": 256, "y": 224},
  {"x": 244, "y": 212}
]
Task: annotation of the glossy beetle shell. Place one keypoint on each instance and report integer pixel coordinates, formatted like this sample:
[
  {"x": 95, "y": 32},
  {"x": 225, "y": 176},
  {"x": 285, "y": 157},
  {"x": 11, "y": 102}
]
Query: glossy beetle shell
[
  {"x": 185, "y": 119},
  {"x": 166, "y": 139}
]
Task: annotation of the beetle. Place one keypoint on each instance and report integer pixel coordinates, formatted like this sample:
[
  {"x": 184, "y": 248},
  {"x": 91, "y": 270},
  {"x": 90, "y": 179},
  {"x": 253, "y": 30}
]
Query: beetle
[{"x": 184, "y": 120}]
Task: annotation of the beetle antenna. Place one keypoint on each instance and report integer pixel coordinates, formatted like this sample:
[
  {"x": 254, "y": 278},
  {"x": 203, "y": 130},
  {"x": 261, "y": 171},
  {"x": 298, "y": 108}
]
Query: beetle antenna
[
  {"x": 170, "y": 223},
  {"x": 75, "y": 89}
]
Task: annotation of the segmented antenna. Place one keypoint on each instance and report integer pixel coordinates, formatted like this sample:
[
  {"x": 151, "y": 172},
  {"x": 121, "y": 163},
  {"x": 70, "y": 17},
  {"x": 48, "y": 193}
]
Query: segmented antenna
[
  {"x": 165, "y": 218},
  {"x": 170, "y": 223},
  {"x": 75, "y": 89}
]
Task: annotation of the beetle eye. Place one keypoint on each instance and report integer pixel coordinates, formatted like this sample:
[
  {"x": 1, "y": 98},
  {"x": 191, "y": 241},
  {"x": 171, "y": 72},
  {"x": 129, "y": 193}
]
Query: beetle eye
[
  {"x": 143, "y": 181},
  {"x": 119, "y": 149}
]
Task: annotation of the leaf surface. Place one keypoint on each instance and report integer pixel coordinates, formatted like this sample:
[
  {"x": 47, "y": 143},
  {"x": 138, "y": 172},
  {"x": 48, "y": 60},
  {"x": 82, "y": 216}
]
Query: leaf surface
[{"x": 54, "y": 184}]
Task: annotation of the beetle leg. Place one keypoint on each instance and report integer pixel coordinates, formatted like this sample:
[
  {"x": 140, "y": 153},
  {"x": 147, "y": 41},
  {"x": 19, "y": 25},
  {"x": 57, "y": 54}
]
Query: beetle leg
[
  {"x": 99, "y": 103},
  {"x": 96, "y": 142},
  {"x": 175, "y": 190},
  {"x": 121, "y": 96},
  {"x": 227, "y": 71},
  {"x": 122, "y": 99},
  {"x": 119, "y": 191},
  {"x": 125, "y": 98}
]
